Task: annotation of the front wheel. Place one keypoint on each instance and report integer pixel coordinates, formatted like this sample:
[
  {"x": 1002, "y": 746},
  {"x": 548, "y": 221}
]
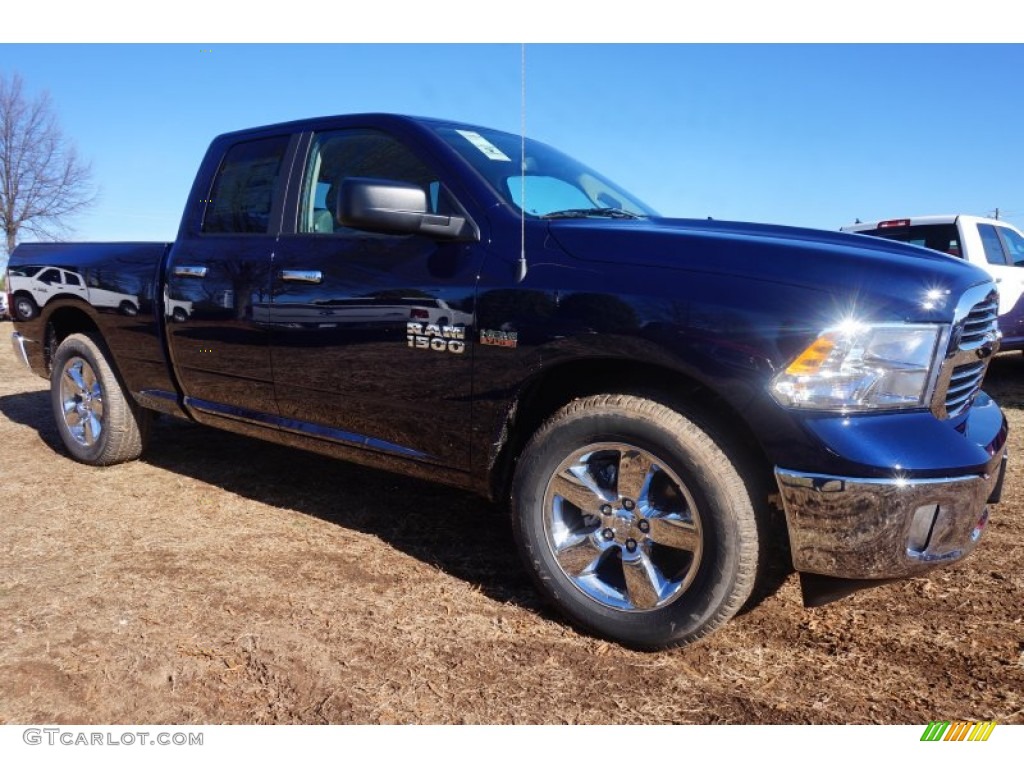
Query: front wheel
[
  {"x": 97, "y": 420},
  {"x": 635, "y": 522},
  {"x": 25, "y": 307}
]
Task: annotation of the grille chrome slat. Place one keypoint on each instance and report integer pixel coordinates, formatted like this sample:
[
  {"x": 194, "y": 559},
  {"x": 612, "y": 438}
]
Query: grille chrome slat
[
  {"x": 975, "y": 338},
  {"x": 979, "y": 324}
]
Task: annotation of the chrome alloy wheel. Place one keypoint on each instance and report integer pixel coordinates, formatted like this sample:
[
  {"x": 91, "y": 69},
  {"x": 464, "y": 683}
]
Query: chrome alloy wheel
[
  {"x": 82, "y": 401},
  {"x": 622, "y": 527}
]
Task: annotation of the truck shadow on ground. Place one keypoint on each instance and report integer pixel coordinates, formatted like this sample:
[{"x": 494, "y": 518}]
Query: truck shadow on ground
[{"x": 462, "y": 534}]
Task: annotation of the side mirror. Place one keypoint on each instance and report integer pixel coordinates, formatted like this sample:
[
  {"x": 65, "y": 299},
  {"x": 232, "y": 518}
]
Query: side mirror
[{"x": 395, "y": 207}]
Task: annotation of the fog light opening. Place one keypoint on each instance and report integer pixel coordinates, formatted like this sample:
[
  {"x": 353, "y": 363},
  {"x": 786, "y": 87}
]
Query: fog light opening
[{"x": 921, "y": 527}]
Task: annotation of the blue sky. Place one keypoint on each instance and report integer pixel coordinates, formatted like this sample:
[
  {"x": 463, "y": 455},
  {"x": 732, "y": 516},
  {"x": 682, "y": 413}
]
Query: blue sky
[{"x": 809, "y": 134}]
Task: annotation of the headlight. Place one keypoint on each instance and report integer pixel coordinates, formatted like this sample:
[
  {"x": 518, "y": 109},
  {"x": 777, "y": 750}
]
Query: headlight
[{"x": 862, "y": 367}]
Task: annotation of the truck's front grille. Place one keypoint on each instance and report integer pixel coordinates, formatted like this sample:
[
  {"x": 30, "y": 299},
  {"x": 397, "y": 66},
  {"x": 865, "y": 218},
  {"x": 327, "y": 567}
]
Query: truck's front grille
[
  {"x": 981, "y": 324},
  {"x": 975, "y": 338},
  {"x": 964, "y": 383}
]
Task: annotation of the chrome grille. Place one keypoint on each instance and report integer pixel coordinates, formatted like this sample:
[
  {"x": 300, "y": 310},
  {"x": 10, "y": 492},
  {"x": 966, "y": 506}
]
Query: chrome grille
[
  {"x": 980, "y": 324},
  {"x": 975, "y": 338},
  {"x": 964, "y": 382}
]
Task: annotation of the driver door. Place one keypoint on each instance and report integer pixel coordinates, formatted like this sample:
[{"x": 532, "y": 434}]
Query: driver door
[{"x": 369, "y": 331}]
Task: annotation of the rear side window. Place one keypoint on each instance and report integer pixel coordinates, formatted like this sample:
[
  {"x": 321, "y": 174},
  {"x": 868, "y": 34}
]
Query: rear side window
[
  {"x": 245, "y": 187},
  {"x": 994, "y": 253}
]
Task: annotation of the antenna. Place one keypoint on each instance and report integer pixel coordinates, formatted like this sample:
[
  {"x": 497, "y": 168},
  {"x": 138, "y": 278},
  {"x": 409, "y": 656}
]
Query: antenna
[{"x": 521, "y": 266}]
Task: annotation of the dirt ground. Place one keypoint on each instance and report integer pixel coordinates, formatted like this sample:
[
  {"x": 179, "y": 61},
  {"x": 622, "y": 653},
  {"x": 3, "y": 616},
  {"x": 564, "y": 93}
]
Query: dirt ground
[{"x": 223, "y": 580}]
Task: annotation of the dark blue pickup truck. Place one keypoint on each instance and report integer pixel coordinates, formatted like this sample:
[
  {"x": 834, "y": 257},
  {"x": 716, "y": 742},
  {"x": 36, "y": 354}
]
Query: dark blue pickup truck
[{"x": 457, "y": 303}]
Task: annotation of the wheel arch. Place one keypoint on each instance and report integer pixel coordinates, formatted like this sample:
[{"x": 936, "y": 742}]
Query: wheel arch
[
  {"x": 64, "y": 320},
  {"x": 549, "y": 390}
]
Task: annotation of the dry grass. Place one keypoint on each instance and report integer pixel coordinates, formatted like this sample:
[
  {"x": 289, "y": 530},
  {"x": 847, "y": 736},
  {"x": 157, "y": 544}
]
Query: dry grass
[{"x": 226, "y": 580}]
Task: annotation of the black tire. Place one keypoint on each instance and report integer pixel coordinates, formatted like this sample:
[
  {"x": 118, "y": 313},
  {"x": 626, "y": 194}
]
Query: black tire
[
  {"x": 25, "y": 307},
  {"x": 635, "y": 522},
  {"x": 98, "y": 422}
]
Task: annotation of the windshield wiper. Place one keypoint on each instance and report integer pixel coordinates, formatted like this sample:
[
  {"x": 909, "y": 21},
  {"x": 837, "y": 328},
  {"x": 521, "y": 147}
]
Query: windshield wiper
[{"x": 582, "y": 213}]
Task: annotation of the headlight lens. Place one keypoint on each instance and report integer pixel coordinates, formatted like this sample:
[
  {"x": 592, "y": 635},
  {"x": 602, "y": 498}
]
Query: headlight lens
[{"x": 862, "y": 367}]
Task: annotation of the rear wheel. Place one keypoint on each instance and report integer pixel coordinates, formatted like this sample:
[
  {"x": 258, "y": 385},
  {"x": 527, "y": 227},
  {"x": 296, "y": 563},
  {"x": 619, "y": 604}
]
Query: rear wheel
[
  {"x": 635, "y": 522},
  {"x": 98, "y": 423}
]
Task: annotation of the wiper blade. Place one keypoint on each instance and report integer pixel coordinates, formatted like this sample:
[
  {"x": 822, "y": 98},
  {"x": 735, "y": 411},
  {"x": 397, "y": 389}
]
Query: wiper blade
[{"x": 582, "y": 213}]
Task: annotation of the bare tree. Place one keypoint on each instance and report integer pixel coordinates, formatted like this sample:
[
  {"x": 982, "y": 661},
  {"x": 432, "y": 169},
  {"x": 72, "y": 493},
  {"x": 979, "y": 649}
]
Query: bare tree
[{"x": 42, "y": 179}]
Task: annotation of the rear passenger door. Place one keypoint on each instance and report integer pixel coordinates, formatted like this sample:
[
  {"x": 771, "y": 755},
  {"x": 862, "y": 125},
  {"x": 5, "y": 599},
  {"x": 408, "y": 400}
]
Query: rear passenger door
[
  {"x": 73, "y": 285},
  {"x": 222, "y": 270}
]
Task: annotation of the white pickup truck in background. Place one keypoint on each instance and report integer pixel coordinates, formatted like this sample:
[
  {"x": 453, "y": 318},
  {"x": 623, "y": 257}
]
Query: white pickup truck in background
[
  {"x": 31, "y": 287},
  {"x": 992, "y": 244}
]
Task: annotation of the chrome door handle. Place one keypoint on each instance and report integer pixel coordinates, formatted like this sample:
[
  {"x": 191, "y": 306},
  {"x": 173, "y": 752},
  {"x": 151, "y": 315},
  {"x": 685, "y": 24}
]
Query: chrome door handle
[
  {"x": 189, "y": 271},
  {"x": 302, "y": 275}
]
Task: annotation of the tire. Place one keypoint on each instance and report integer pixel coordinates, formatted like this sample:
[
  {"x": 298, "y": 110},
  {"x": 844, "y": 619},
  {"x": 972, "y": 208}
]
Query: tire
[
  {"x": 24, "y": 307},
  {"x": 128, "y": 309},
  {"x": 98, "y": 422},
  {"x": 635, "y": 522}
]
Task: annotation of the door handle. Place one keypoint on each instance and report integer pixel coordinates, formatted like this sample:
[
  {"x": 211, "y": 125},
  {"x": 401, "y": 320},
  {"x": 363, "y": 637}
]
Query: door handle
[
  {"x": 302, "y": 275},
  {"x": 189, "y": 271}
]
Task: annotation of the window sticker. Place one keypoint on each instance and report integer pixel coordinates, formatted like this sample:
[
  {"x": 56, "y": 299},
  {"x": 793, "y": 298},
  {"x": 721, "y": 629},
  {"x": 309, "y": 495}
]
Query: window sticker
[{"x": 484, "y": 146}]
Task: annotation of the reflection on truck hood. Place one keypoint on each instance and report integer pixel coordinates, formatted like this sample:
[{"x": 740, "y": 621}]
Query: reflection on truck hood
[{"x": 789, "y": 255}]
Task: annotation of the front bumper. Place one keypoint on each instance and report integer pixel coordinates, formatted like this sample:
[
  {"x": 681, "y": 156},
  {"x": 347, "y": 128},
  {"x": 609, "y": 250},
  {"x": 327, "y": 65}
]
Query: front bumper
[{"x": 856, "y": 528}]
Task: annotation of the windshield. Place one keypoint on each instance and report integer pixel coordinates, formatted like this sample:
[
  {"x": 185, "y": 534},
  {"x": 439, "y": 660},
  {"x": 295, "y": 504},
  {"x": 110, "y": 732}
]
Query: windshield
[{"x": 553, "y": 183}]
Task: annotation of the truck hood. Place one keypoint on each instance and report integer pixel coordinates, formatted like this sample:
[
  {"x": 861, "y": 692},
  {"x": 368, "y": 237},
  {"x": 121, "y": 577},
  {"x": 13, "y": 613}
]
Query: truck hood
[{"x": 815, "y": 259}]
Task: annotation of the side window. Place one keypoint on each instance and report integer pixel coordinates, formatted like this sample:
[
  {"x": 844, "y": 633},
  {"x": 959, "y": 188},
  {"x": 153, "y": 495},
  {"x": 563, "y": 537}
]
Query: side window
[
  {"x": 337, "y": 155},
  {"x": 993, "y": 245},
  {"x": 50, "y": 277},
  {"x": 1014, "y": 245},
  {"x": 70, "y": 278},
  {"x": 245, "y": 186}
]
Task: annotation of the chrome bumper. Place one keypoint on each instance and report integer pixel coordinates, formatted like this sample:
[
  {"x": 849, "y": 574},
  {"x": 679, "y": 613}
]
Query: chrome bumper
[
  {"x": 857, "y": 528},
  {"x": 18, "y": 342}
]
